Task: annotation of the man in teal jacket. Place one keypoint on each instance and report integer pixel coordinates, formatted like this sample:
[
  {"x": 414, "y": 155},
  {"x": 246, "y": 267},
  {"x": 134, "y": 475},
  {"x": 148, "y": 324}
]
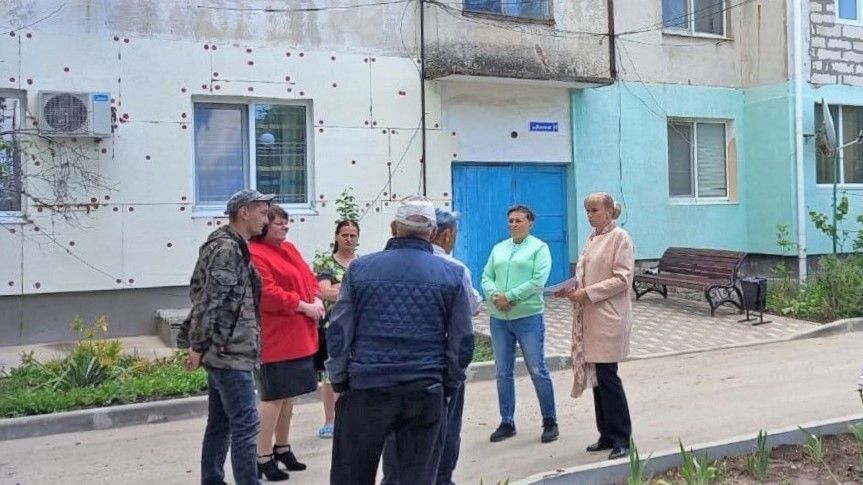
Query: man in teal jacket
[{"x": 513, "y": 279}]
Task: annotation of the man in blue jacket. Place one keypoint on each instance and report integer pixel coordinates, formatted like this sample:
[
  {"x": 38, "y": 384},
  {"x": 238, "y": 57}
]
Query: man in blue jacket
[{"x": 399, "y": 340}]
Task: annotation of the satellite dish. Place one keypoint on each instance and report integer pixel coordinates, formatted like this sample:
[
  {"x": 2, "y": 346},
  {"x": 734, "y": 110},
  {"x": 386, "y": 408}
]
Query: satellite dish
[{"x": 827, "y": 133}]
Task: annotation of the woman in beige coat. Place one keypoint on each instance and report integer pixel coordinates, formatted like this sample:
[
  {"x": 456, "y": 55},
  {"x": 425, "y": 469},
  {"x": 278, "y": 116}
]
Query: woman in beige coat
[{"x": 603, "y": 320}]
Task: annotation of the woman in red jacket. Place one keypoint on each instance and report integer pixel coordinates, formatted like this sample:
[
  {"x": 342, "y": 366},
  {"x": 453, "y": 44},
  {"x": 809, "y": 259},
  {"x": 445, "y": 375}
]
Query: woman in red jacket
[{"x": 290, "y": 310}]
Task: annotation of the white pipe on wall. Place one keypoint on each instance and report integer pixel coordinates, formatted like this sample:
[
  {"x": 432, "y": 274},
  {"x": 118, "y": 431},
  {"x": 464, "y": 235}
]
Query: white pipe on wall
[{"x": 797, "y": 46}]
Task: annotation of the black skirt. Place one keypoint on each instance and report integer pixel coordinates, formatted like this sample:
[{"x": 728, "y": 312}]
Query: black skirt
[{"x": 285, "y": 379}]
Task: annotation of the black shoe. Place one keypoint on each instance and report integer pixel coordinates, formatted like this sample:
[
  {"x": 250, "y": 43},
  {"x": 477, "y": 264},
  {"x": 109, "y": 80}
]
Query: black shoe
[
  {"x": 618, "y": 452},
  {"x": 288, "y": 459},
  {"x": 599, "y": 446},
  {"x": 549, "y": 430},
  {"x": 270, "y": 469},
  {"x": 504, "y": 431}
]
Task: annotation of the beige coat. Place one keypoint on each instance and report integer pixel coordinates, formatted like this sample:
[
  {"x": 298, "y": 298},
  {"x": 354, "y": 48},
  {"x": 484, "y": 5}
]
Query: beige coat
[{"x": 605, "y": 271}]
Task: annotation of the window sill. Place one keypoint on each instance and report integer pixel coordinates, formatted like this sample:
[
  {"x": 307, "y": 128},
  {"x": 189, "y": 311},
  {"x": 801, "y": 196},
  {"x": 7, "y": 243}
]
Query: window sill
[
  {"x": 839, "y": 186},
  {"x": 508, "y": 18},
  {"x": 292, "y": 210},
  {"x": 12, "y": 218},
  {"x": 695, "y": 35},
  {"x": 857, "y": 22},
  {"x": 684, "y": 201}
]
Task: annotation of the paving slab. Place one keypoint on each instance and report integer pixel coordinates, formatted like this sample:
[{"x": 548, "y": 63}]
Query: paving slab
[
  {"x": 661, "y": 326},
  {"x": 147, "y": 346}
]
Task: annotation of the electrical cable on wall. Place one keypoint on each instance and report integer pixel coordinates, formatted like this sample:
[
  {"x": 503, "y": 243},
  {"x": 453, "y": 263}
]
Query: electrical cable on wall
[{"x": 40, "y": 20}]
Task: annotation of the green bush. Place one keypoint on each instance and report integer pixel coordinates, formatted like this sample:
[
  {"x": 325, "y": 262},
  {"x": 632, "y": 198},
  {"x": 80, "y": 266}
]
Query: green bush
[
  {"x": 833, "y": 291},
  {"x": 23, "y": 391},
  {"x": 95, "y": 373}
]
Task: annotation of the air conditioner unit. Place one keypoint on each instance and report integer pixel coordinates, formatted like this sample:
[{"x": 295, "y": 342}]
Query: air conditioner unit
[{"x": 75, "y": 114}]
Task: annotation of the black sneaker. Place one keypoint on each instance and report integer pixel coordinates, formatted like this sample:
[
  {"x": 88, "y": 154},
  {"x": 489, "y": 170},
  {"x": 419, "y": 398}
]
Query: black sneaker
[
  {"x": 549, "y": 430},
  {"x": 504, "y": 431}
]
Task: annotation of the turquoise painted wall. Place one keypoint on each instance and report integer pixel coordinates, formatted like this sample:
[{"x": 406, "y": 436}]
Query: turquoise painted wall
[
  {"x": 635, "y": 171},
  {"x": 620, "y": 144},
  {"x": 820, "y": 198},
  {"x": 770, "y": 164}
]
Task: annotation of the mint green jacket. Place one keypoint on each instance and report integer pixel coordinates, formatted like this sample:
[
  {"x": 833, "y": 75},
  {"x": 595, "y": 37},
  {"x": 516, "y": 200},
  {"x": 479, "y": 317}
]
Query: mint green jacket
[{"x": 519, "y": 274}]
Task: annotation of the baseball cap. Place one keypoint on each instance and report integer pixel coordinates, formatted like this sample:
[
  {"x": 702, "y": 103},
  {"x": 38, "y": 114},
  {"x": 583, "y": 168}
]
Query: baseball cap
[
  {"x": 416, "y": 205},
  {"x": 244, "y": 198},
  {"x": 445, "y": 219}
]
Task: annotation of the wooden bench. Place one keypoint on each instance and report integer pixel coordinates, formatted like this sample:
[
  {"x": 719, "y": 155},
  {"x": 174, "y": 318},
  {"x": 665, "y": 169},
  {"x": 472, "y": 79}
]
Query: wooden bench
[{"x": 710, "y": 270}]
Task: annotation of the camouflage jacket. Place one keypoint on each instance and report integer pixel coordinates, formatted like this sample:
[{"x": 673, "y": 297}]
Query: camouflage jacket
[{"x": 224, "y": 323}]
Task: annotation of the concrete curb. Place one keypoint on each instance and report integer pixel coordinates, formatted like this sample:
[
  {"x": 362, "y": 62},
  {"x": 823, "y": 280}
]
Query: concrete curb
[
  {"x": 181, "y": 408},
  {"x": 617, "y": 471},
  {"x": 102, "y": 418}
]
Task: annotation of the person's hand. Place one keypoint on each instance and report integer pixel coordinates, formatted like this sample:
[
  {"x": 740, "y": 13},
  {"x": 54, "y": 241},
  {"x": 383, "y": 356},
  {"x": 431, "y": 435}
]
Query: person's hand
[
  {"x": 501, "y": 303},
  {"x": 578, "y": 296},
  {"x": 193, "y": 360},
  {"x": 311, "y": 310},
  {"x": 320, "y": 305}
]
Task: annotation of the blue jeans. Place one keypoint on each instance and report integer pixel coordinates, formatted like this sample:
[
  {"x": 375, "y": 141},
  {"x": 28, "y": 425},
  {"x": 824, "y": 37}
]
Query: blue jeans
[
  {"x": 529, "y": 332},
  {"x": 451, "y": 446},
  {"x": 232, "y": 422}
]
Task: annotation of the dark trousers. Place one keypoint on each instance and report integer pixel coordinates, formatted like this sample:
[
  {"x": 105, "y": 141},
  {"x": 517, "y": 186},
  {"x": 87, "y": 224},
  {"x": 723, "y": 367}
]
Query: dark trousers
[
  {"x": 612, "y": 411},
  {"x": 232, "y": 423},
  {"x": 451, "y": 446},
  {"x": 364, "y": 419}
]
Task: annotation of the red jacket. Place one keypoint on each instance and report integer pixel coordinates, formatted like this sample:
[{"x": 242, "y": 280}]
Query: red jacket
[{"x": 286, "y": 334}]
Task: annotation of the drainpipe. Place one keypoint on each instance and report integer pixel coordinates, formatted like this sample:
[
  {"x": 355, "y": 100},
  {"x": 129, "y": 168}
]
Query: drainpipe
[
  {"x": 798, "y": 137},
  {"x": 612, "y": 55},
  {"x": 423, "y": 94}
]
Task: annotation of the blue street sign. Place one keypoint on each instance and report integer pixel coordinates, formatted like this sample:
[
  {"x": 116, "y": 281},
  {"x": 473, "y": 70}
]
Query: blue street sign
[{"x": 549, "y": 126}]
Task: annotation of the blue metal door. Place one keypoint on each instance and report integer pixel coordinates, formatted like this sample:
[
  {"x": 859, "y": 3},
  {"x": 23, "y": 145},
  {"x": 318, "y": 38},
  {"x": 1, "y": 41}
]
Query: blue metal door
[{"x": 484, "y": 192}]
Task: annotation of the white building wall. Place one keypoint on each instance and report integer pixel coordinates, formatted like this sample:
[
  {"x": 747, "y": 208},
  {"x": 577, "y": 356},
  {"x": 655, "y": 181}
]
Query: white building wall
[
  {"x": 145, "y": 232},
  {"x": 485, "y": 116}
]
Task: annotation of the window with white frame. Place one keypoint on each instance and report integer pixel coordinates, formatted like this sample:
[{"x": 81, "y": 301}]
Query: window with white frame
[
  {"x": 848, "y": 10},
  {"x": 530, "y": 9},
  {"x": 11, "y": 117},
  {"x": 846, "y": 166},
  {"x": 694, "y": 16},
  {"x": 697, "y": 160},
  {"x": 264, "y": 146}
]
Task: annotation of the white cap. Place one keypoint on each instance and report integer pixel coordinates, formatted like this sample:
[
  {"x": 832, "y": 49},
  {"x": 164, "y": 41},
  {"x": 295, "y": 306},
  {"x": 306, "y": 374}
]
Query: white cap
[{"x": 416, "y": 205}]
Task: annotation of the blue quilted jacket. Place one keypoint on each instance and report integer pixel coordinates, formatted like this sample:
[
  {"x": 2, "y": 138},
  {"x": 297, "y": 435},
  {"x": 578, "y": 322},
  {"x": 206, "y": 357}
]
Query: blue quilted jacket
[{"x": 403, "y": 316}]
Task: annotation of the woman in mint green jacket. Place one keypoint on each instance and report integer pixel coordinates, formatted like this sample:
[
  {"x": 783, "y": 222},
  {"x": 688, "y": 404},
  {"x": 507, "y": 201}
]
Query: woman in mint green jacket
[{"x": 516, "y": 271}]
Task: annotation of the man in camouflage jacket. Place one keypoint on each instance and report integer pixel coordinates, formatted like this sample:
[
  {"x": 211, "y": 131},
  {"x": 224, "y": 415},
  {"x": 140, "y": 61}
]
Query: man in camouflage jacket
[{"x": 223, "y": 333}]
